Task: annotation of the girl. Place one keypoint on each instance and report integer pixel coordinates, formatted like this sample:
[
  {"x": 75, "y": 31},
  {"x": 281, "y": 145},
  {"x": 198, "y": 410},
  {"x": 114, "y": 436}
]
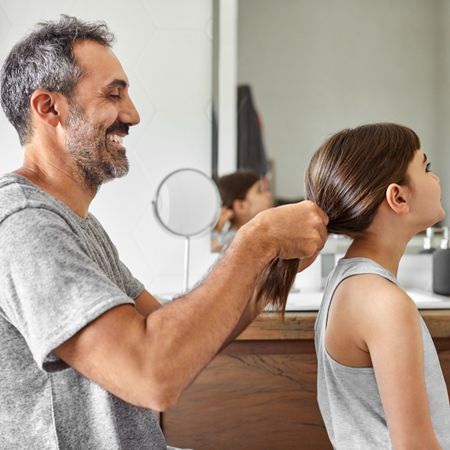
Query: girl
[{"x": 380, "y": 385}]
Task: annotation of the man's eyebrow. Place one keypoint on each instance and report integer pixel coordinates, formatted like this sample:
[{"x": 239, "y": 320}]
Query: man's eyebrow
[{"x": 117, "y": 83}]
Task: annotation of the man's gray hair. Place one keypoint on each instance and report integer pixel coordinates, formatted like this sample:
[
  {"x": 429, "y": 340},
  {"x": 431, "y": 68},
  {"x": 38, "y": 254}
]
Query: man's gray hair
[{"x": 44, "y": 59}]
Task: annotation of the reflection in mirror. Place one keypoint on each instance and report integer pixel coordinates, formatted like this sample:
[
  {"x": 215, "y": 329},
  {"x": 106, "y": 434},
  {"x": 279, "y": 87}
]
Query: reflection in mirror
[
  {"x": 317, "y": 67},
  {"x": 187, "y": 204},
  {"x": 244, "y": 194}
]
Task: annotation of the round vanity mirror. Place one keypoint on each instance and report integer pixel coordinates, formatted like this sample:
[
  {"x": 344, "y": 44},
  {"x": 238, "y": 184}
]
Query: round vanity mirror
[{"x": 187, "y": 204}]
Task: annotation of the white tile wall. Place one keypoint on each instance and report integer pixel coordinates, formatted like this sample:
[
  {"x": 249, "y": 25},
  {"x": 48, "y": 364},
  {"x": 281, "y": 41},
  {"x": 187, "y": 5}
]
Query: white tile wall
[{"x": 165, "y": 48}]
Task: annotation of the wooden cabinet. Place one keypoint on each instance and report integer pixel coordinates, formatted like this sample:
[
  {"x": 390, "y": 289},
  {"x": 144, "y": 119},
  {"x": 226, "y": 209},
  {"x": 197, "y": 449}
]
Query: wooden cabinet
[{"x": 260, "y": 392}]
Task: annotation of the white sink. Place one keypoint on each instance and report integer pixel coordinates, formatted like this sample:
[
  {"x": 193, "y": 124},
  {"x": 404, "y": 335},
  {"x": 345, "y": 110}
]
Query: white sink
[{"x": 308, "y": 300}]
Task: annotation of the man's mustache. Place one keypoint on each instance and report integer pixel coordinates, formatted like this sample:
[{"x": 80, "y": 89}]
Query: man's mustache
[{"x": 118, "y": 126}]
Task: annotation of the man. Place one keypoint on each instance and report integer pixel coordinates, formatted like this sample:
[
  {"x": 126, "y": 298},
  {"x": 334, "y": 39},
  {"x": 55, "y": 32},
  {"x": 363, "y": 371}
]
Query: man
[{"x": 85, "y": 350}]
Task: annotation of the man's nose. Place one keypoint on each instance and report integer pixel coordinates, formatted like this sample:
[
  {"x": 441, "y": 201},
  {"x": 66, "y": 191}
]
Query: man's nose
[{"x": 129, "y": 114}]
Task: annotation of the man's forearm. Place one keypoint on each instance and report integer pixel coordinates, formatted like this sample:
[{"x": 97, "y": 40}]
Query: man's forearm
[
  {"x": 254, "y": 307},
  {"x": 193, "y": 328}
]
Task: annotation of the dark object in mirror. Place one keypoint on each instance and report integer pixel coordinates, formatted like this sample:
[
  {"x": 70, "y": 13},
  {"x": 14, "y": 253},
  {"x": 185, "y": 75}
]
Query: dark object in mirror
[{"x": 251, "y": 153}]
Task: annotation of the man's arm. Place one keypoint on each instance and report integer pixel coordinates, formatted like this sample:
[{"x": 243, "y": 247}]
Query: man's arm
[
  {"x": 149, "y": 361},
  {"x": 146, "y": 304}
]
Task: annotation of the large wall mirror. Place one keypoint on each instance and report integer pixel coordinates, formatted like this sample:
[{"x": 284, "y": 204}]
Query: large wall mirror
[{"x": 315, "y": 67}]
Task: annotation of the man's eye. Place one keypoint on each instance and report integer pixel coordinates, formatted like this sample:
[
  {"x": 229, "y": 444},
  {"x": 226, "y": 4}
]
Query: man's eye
[
  {"x": 428, "y": 167},
  {"x": 114, "y": 94}
]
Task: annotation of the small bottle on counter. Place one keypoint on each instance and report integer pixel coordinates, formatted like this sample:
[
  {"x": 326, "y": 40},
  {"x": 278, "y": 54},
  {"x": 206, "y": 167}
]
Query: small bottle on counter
[
  {"x": 441, "y": 266},
  {"x": 428, "y": 241}
]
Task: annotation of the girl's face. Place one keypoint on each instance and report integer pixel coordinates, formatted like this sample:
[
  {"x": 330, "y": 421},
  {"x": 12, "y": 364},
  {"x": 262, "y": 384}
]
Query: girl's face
[
  {"x": 258, "y": 199},
  {"x": 425, "y": 188}
]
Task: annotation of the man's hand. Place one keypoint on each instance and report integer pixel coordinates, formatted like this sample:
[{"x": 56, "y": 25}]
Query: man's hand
[
  {"x": 296, "y": 231},
  {"x": 306, "y": 262}
]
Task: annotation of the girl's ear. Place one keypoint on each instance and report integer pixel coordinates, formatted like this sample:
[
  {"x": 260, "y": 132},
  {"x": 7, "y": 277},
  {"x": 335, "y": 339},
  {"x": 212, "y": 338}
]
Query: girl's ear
[
  {"x": 239, "y": 206},
  {"x": 397, "y": 197}
]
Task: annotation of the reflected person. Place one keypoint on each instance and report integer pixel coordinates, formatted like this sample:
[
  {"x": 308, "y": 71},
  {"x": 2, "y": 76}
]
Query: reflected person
[
  {"x": 244, "y": 194},
  {"x": 86, "y": 350}
]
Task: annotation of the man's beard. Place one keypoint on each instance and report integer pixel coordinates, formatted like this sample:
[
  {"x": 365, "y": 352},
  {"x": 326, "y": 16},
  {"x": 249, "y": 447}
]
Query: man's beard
[{"x": 96, "y": 159}]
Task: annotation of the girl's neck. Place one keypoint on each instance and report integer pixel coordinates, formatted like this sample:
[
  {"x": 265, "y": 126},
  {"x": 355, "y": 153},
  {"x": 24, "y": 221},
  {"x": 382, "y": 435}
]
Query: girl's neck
[
  {"x": 238, "y": 223},
  {"x": 385, "y": 250}
]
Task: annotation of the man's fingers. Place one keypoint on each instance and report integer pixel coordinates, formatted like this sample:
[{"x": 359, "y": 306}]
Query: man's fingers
[
  {"x": 306, "y": 262},
  {"x": 323, "y": 216},
  {"x": 323, "y": 235},
  {"x": 318, "y": 210}
]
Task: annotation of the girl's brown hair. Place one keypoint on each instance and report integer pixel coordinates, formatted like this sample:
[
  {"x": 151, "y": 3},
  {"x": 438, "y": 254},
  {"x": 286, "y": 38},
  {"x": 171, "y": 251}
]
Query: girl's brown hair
[
  {"x": 347, "y": 177},
  {"x": 235, "y": 186},
  {"x": 349, "y": 174}
]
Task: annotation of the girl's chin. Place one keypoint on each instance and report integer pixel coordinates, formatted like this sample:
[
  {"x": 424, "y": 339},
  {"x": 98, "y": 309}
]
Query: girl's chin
[{"x": 441, "y": 215}]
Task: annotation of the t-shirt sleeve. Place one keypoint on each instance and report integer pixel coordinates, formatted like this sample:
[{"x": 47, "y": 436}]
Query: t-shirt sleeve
[
  {"x": 133, "y": 287},
  {"x": 49, "y": 287}
]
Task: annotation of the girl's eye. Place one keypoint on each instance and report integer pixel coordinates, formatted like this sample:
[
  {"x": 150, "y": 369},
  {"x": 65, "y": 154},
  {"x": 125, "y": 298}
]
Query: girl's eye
[{"x": 428, "y": 167}]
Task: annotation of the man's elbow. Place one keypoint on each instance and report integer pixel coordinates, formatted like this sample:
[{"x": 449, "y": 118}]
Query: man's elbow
[
  {"x": 160, "y": 393},
  {"x": 160, "y": 401}
]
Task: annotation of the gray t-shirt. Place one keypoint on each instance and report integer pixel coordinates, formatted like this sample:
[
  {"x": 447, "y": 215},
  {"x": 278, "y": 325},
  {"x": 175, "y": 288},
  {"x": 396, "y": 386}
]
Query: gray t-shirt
[
  {"x": 58, "y": 272},
  {"x": 348, "y": 397}
]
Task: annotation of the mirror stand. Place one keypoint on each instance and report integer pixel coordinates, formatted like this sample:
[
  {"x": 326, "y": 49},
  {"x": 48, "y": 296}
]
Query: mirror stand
[{"x": 187, "y": 251}]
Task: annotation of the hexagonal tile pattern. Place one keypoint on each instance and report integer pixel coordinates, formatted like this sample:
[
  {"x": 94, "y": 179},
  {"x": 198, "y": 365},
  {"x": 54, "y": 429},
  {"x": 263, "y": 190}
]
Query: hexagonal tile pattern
[
  {"x": 166, "y": 250},
  {"x": 166, "y": 150},
  {"x": 130, "y": 23},
  {"x": 4, "y": 26},
  {"x": 29, "y": 13},
  {"x": 176, "y": 14},
  {"x": 127, "y": 208},
  {"x": 209, "y": 29},
  {"x": 177, "y": 59}
]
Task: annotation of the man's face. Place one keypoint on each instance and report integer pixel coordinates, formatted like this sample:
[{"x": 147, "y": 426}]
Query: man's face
[{"x": 100, "y": 115}]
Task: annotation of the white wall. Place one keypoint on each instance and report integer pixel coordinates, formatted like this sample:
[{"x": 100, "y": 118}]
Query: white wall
[
  {"x": 227, "y": 74},
  {"x": 320, "y": 66},
  {"x": 443, "y": 124},
  {"x": 165, "y": 48}
]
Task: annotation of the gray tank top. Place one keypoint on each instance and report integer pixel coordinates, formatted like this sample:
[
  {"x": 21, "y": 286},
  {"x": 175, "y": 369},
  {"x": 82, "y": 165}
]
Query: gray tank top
[{"x": 348, "y": 397}]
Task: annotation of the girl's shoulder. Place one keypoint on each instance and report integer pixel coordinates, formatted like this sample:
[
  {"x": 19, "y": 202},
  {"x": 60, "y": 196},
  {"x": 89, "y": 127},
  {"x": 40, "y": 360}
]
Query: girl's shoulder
[
  {"x": 372, "y": 292},
  {"x": 374, "y": 303},
  {"x": 367, "y": 308}
]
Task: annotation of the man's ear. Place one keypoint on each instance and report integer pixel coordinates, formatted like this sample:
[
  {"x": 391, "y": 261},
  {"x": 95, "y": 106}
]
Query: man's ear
[
  {"x": 47, "y": 106},
  {"x": 397, "y": 197}
]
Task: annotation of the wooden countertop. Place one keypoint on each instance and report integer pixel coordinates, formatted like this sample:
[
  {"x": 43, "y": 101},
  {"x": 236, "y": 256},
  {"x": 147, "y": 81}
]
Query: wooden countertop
[{"x": 300, "y": 325}]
